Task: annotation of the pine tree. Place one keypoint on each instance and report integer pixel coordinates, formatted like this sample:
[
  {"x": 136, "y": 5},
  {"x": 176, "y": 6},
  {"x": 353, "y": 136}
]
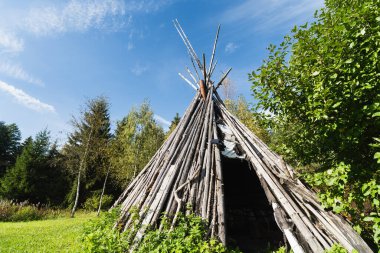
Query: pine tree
[
  {"x": 36, "y": 175},
  {"x": 86, "y": 150},
  {"x": 10, "y": 137}
]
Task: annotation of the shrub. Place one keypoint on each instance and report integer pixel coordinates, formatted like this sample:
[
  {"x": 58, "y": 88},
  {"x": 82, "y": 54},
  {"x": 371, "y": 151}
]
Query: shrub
[
  {"x": 10, "y": 211},
  {"x": 92, "y": 203},
  {"x": 99, "y": 235},
  {"x": 190, "y": 235}
]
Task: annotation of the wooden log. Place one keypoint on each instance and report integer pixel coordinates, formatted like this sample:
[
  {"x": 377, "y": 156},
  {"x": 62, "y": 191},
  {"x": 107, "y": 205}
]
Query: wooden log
[{"x": 222, "y": 231}]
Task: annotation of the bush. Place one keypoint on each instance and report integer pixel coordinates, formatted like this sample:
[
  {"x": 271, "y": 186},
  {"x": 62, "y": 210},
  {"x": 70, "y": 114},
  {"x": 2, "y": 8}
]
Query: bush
[
  {"x": 92, "y": 203},
  {"x": 11, "y": 212},
  {"x": 100, "y": 237},
  {"x": 190, "y": 235}
]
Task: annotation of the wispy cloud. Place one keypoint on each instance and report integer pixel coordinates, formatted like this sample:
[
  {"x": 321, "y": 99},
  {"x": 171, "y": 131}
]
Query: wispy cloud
[
  {"x": 139, "y": 69},
  {"x": 164, "y": 122},
  {"x": 9, "y": 43},
  {"x": 25, "y": 99},
  {"x": 130, "y": 46},
  {"x": 265, "y": 14},
  {"x": 17, "y": 72},
  {"x": 230, "y": 47},
  {"x": 76, "y": 16},
  {"x": 82, "y": 15}
]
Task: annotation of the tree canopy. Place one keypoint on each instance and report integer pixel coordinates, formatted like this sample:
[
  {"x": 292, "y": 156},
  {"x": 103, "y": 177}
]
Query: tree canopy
[
  {"x": 10, "y": 137},
  {"x": 87, "y": 145},
  {"x": 321, "y": 88},
  {"x": 137, "y": 138}
]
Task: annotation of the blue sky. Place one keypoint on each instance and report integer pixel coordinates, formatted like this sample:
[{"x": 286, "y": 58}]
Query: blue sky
[{"x": 54, "y": 55}]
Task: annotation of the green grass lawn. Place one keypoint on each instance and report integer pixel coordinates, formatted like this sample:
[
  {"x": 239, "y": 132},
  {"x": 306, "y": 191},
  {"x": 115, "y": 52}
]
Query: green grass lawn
[{"x": 56, "y": 235}]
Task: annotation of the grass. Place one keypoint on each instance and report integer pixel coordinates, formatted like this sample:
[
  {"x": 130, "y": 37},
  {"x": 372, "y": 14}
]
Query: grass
[{"x": 56, "y": 235}]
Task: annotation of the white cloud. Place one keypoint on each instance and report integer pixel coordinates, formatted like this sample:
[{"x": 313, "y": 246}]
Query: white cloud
[
  {"x": 76, "y": 16},
  {"x": 82, "y": 15},
  {"x": 9, "y": 43},
  {"x": 265, "y": 14},
  {"x": 25, "y": 99},
  {"x": 164, "y": 122},
  {"x": 19, "y": 73},
  {"x": 139, "y": 69},
  {"x": 230, "y": 47}
]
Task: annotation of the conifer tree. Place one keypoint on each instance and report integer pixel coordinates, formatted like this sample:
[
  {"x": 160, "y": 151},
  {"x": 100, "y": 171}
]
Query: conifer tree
[{"x": 86, "y": 151}]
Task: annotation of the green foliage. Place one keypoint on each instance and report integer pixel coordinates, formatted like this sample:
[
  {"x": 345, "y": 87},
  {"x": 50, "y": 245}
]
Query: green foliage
[
  {"x": 92, "y": 203},
  {"x": 337, "y": 248},
  {"x": 12, "y": 212},
  {"x": 36, "y": 175},
  {"x": 91, "y": 132},
  {"x": 10, "y": 137},
  {"x": 190, "y": 235},
  {"x": 173, "y": 124},
  {"x": 241, "y": 110},
  {"x": 321, "y": 88},
  {"x": 280, "y": 250},
  {"x": 137, "y": 138},
  {"x": 100, "y": 237}
]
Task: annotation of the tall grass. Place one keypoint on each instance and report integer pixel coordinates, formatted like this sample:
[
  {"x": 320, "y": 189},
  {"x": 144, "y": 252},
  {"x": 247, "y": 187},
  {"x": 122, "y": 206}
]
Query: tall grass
[{"x": 11, "y": 211}]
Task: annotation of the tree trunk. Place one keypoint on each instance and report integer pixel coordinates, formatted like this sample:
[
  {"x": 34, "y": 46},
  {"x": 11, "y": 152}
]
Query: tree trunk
[
  {"x": 81, "y": 166},
  {"x": 104, "y": 187}
]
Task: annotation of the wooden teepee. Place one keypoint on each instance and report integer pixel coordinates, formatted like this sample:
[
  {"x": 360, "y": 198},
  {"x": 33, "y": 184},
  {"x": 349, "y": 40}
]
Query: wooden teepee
[{"x": 189, "y": 169}]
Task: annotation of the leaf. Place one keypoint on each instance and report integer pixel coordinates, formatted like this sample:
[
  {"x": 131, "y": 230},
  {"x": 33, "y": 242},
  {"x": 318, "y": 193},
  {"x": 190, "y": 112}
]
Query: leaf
[
  {"x": 336, "y": 104},
  {"x": 368, "y": 218},
  {"x": 376, "y": 114},
  {"x": 349, "y": 61},
  {"x": 315, "y": 73}
]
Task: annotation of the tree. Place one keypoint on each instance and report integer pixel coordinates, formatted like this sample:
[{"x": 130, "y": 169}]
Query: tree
[
  {"x": 240, "y": 108},
  {"x": 173, "y": 124},
  {"x": 86, "y": 151},
  {"x": 321, "y": 86},
  {"x": 37, "y": 175},
  {"x": 228, "y": 89},
  {"x": 10, "y": 137},
  {"x": 137, "y": 138}
]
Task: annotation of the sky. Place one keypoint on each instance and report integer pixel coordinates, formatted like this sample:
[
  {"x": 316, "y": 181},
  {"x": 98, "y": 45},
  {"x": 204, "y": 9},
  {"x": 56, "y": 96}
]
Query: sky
[{"x": 57, "y": 54}]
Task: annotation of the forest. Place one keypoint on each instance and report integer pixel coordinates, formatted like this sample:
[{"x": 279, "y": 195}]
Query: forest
[{"x": 315, "y": 101}]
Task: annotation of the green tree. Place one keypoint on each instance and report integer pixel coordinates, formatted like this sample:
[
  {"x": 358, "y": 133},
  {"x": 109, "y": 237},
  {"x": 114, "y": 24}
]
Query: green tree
[
  {"x": 37, "y": 175},
  {"x": 10, "y": 137},
  {"x": 240, "y": 108},
  {"x": 137, "y": 138},
  {"x": 86, "y": 151},
  {"x": 321, "y": 86},
  {"x": 173, "y": 124}
]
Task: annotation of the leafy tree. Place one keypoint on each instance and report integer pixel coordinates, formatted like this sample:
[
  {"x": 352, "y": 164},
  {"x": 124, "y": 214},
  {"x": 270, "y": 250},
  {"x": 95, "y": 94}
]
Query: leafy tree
[
  {"x": 37, "y": 175},
  {"x": 10, "y": 137},
  {"x": 321, "y": 86},
  {"x": 137, "y": 139},
  {"x": 240, "y": 108},
  {"x": 86, "y": 150}
]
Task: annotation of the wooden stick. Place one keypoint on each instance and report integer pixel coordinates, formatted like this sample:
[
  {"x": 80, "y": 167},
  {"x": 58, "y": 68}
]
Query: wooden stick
[
  {"x": 191, "y": 75},
  {"x": 186, "y": 80},
  {"x": 213, "y": 51},
  {"x": 221, "y": 80}
]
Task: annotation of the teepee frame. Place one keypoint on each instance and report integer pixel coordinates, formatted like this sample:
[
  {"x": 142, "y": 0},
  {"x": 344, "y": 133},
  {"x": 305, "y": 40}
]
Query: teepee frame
[{"x": 187, "y": 171}]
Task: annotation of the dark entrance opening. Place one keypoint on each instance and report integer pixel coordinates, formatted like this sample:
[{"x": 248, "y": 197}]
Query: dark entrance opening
[{"x": 249, "y": 217}]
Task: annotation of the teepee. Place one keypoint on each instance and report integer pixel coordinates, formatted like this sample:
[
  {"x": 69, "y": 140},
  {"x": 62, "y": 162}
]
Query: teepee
[{"x": 215, "y": 165}]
